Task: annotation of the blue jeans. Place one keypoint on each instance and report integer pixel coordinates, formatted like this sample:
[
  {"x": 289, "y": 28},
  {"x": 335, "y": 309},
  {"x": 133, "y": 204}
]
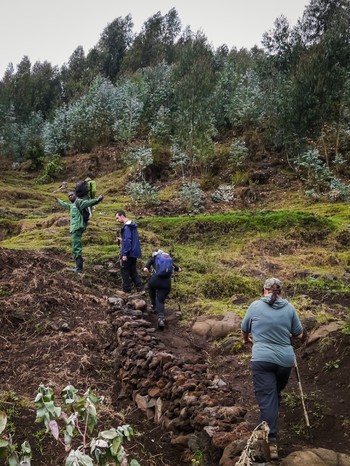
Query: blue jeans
[{"x": 269, "y": 380}]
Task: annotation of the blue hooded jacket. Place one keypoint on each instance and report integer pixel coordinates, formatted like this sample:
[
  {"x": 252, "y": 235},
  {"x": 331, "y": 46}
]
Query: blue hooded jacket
[{"x": 130, "y": 240}]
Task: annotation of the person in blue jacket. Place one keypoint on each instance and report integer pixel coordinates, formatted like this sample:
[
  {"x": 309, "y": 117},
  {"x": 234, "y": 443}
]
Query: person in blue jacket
[
  {"x": 130, "y": 252},
  {"x": 271, "y": 321}
]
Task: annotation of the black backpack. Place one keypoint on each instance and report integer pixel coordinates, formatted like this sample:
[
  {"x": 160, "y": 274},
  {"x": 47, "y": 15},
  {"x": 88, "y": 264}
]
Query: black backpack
[
  {"x": 82, "y": 189},
  {"x": 85, "y": 213}
]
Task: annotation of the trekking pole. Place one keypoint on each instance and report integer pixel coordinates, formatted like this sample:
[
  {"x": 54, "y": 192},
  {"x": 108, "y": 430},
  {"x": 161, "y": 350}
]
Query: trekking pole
[
  {"x": 306, "y": 416},
  {"x": 177, "y": 294}
]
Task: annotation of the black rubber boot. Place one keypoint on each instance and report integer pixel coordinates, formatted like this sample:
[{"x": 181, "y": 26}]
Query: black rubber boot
[{"x": 79, "y": 261}]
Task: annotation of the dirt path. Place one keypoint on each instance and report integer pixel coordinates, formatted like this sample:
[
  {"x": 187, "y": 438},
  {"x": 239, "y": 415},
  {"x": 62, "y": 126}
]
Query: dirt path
[{"x": 55, "y": 330}]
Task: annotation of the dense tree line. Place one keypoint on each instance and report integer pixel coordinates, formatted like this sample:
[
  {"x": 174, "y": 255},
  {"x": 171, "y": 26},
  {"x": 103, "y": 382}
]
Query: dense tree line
[{"x": 171, "y": 90}]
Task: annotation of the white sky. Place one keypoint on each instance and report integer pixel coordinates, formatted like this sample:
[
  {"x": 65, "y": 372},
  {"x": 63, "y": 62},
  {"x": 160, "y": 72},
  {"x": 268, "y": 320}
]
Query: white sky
[{"x": 52, "y": 29}]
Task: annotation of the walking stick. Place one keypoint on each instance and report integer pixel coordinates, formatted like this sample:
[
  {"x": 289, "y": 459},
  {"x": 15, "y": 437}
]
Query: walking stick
[
  {"x": 177, "y": 294},
  {"x": 306, "y": 416}
]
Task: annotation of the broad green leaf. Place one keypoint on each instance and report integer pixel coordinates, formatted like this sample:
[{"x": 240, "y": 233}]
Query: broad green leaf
[
  {"x": 67, "y": 438},
  {"x": 12, "y": 460},
  {"x": 3, "y": 443},
  {"x": 116, "y": 445},
  {"x": 25, "y": 448},
  {"x": 121, "y": 454},
  {"x": 3, "y": 421},
  {"x": 101, "y": 443},
  {"x": 109, "y": 434},
  {"x": 134, "y": 463},
  {"x": 76, "y": 458}
]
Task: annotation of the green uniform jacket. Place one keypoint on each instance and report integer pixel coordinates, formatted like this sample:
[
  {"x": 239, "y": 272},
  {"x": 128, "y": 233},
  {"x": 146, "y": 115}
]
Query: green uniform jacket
[{"x": 76, "y": 219}]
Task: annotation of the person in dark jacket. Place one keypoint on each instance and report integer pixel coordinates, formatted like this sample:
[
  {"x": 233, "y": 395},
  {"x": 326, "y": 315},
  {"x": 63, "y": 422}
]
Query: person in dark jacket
[
  {"x": 271, "y": 321},
  {"x": 76, "y": 225},
  {"x": 130, "y": 252},
  {"x": 158, "y": 287}
]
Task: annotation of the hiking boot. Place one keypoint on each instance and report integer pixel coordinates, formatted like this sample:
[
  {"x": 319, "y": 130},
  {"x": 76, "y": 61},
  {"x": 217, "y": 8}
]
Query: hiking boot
[
  {"x": 80, "y": 263},
  {"x": 73, "y": 269},
  {"x": 161, "y": 324},
  {"x": 273, "y": 450}
]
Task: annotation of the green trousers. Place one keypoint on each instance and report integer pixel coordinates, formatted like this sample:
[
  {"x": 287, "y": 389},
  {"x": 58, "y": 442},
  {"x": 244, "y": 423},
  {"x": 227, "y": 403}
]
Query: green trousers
[{"x": 77, "y": 247}]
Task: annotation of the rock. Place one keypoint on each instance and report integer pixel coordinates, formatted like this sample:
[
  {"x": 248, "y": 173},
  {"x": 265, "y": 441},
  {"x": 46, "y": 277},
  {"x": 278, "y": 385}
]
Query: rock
[
  {"x": 202, "y": 328},
  {"x": 324, "y": 331},
  {"x": 138, "y": 304},
  {"x": 316, "y": 457},
  {"x": 229, "y": 323}
]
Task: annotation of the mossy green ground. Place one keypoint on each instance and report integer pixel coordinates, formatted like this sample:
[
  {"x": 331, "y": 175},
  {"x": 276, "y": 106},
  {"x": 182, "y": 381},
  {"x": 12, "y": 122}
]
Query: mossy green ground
[{"x": 223, "y": 255}]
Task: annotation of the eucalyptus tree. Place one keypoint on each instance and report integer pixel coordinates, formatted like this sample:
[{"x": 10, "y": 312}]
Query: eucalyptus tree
[
  {"x": 128, "y": 109},
  {"x": 311, "y": 71},
  {"x": 110, "y": 50},
  {"x": 46, "y": 89},
  {"x": 21, "y": 90},
  {"x": 55, "y": 134},
  {"x": 283, "y": 44},
  {"x": 155, "y": 43},
  {"x": 30, "y": 139},
  {"x": 75, "y": 76},
  {"x": 90, "y": 119},
  {"x": 320, "y": 81},
  {"x": 319, "y": 17},
  {"x": 156, "y": 114},
  {"x": 193, "y": 83},
  {"x": 9, "y": 132},
  {"x": 85, "y": 123},
  {"x": 242, "y": 92},
  {"x": 6, "y": 86}
]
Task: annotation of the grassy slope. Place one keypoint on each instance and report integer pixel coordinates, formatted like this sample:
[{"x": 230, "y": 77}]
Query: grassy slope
[{"x": 223, "y": 255}]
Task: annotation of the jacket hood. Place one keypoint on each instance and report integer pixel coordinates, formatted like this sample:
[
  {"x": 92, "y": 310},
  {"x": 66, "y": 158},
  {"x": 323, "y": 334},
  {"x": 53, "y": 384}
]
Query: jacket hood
[
  {"x": 278, "y": 304},
  {"x": 131, "y": 224}
]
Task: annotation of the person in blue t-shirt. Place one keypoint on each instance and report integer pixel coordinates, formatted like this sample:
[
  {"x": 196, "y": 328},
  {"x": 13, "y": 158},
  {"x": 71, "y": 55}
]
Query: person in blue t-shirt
[{"x": 271, "y": 321}]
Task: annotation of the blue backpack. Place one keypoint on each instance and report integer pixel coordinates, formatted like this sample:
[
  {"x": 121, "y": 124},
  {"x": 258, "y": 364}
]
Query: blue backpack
[{"x": 163, "y": 265}]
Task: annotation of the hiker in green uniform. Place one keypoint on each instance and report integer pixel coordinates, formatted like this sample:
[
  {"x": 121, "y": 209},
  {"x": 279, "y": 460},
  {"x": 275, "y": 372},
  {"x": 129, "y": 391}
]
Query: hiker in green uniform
[{"x": 77, "y": 225}]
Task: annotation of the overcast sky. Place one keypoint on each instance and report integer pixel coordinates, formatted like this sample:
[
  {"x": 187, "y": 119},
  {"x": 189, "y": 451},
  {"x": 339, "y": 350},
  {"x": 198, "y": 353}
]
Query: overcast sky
[{"x": 52, "y": 29}]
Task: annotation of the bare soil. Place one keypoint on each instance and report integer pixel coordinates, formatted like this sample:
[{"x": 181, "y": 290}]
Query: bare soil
[{"x": 54, "y": 329}]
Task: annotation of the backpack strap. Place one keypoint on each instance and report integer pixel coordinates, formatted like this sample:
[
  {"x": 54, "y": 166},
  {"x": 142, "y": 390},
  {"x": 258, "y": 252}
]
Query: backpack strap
[{"x": 77, "y": 205}]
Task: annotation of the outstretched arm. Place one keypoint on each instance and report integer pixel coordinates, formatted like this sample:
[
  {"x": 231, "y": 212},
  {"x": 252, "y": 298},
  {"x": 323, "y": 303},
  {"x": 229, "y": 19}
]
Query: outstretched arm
[
  {"x": 90, "y": 202},
  {"x": 65, "y": 205}
]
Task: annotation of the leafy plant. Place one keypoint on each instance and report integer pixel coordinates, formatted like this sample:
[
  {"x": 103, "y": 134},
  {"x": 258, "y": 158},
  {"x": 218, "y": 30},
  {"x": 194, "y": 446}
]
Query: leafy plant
[
  {"x": 191, "y": 196},
  {"x": 238, "y": 152},
  {"x": 320, "y": 177},
  {"x": 290, "y": 399},
  {"x": 8, "y": 449},
  {"x": 52, "y": 168},
  {"x": 334, "y": 364},
  {"x": 143, "y": 193},
  {"x": 79, "y": 422},
  {"x": 224, "y": 193},
  {"x": 197, "y": 458}
]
